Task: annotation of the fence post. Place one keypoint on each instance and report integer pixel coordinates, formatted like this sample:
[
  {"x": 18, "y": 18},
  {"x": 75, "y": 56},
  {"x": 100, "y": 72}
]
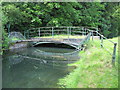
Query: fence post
[
  {"x": 114, "y": 54},
  {"x": 52, "y": 33},
  {"x": 97, "y": 32},
  {"x": 101, "y": 42},
  {"x": 92, "y": 34},
  {"x": 85, "y": 31},
  {"x": 39, "y": 32}
]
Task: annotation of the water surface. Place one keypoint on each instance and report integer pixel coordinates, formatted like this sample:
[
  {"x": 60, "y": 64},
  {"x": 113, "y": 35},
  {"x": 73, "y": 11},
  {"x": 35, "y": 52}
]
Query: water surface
[{"x": 36, "y": 67}]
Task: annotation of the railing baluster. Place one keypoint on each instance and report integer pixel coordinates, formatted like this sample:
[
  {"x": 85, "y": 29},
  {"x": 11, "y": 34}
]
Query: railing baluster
[
  {"x": 39, "y": 32},
  {"x": 68, "y": 32},
  {"x": 52, "y": 33}
]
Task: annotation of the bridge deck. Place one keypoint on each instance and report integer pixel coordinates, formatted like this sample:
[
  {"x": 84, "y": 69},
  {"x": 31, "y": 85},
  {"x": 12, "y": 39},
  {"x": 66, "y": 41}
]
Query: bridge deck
[
  {"x": 53, "y": 40},
  {"x": 74, "y": 42}
]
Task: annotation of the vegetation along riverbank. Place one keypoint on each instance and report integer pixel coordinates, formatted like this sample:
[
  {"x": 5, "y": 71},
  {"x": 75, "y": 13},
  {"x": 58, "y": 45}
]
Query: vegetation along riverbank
[{"x": 94, "y": 69}]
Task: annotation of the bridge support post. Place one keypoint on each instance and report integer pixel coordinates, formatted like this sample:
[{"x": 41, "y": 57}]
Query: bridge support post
[
  {"x": 39, "y": 32},
  {"x": 114, "y": 54}
]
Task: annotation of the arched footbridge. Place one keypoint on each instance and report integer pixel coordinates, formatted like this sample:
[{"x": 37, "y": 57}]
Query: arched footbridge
[{"x": 73, "y": 36}]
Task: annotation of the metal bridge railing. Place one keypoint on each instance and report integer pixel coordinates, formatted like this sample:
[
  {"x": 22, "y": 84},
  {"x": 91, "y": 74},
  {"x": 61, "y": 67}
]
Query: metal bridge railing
[{"x": 53, "y": 31}]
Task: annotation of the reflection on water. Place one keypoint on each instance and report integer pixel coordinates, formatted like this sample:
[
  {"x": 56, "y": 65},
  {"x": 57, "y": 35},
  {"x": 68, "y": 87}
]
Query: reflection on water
[{"x": 36, "y": 67}]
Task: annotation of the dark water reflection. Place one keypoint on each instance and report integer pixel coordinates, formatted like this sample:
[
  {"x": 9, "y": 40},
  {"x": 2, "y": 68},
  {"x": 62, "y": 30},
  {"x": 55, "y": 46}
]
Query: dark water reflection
[{"x": 36, "y": 67}]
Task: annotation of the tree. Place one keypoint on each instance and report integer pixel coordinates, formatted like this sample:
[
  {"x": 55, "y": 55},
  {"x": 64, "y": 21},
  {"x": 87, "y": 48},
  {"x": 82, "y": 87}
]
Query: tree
[
  {"x": 23, "y": 16},
  {"x": 116, "y": 16},
  {"x": 15, "y": 18}
]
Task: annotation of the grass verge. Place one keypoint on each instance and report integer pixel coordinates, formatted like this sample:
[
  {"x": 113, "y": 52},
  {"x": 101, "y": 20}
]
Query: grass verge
[{"x": 94, "y": 69}]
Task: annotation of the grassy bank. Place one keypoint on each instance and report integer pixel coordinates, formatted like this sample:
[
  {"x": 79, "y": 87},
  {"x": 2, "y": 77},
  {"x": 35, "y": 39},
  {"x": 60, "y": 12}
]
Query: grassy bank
[{"x": 94, "y": 69}]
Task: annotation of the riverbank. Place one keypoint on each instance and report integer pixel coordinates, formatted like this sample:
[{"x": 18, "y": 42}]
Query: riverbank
[{"x": 94, "y": 69}]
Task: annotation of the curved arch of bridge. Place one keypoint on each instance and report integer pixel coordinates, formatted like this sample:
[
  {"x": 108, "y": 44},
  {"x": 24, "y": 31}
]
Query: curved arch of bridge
[{"x": 55, "y": 44}]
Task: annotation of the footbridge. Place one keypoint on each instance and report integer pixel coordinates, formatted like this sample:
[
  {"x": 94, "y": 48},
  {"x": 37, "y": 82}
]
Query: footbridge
[{"x": 73, "y": 36}]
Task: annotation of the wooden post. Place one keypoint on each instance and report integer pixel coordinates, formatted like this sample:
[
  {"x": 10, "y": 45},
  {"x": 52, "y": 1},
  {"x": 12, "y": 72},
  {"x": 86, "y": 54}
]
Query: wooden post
[
  {"x": 114, "y": 54},
  {"x": 39, "y": 32},
  {"x": 101, "y": 42},
  {"x": 52, "y": 33}
]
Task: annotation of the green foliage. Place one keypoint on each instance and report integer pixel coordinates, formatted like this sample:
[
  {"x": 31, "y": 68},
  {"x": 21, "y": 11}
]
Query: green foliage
[
  {"x": 116, "y": 16},
  {"x": 15, "y": 17},
  {"x": 110, "y": 20},
  {"x": 92, "y": 14},
  {"x": 4, "y": 37},
  {"x": 5, "y": 40},
  {"x": 94, "y": 69},
  {"x": 117, "y": 13},
  {"x": 12, "y": 13},
  {"x": 23, "y": 16}
]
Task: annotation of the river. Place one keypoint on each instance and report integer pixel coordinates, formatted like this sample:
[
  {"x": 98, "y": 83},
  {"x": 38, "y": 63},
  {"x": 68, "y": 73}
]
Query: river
[{"x": 36, "y": 67}]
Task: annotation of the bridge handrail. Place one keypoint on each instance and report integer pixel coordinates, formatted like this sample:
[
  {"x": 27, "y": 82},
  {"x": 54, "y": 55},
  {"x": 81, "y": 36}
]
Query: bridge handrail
[
  {"x": 67, "y": 30},
  {"x": 66, "y": 26}
]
